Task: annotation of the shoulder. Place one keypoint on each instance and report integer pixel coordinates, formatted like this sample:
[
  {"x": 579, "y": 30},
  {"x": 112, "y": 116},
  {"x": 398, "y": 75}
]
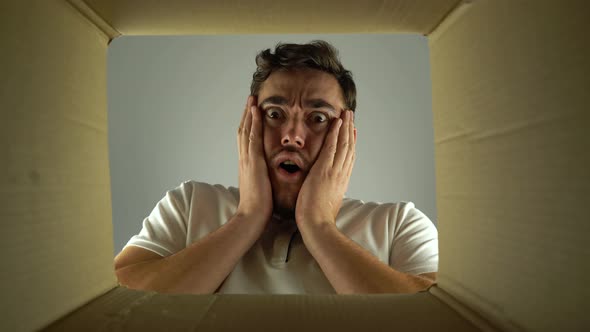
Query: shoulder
[
  {"x": 196, "y": 193},
  {"x": 192, "y": 188},
  {"x": 397, "y": 215},
  {"x": 390, "y": 210}
]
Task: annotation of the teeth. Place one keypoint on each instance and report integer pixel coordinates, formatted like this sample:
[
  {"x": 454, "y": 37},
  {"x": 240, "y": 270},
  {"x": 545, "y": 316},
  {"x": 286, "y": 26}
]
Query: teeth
[{"x": 289, "y": 162}]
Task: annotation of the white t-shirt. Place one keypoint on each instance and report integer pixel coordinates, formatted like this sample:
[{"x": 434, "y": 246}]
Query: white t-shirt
[{"x": 397, "y": 234}]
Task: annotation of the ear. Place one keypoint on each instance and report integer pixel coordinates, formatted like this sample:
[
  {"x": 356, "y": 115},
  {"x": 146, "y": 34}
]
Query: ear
[{"x": 354, "y": 135}]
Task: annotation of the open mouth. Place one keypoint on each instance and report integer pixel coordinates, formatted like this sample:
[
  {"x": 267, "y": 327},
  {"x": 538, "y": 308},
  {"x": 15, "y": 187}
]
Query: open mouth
[{"x": 290, "y": 167}]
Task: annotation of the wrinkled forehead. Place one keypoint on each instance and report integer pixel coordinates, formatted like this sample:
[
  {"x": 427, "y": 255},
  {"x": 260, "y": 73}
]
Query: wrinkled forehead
[{"x": 297, "y": 84}]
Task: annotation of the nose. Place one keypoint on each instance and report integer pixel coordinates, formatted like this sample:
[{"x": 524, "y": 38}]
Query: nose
[{"x": 293, "y": 134}]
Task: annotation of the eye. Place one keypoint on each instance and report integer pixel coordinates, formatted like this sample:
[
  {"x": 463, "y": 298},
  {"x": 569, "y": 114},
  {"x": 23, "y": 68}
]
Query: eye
[
  {"x": 318, "y": 117},
  {"x": 274, "y": 113}
]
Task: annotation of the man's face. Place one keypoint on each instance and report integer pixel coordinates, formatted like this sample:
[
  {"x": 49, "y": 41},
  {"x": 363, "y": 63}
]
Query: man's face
[{"x": 297, "y": 108}]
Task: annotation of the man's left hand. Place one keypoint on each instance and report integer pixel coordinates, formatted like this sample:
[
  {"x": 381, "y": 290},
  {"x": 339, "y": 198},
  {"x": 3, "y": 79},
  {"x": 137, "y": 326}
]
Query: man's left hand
[{"x": 322, "y": 191}]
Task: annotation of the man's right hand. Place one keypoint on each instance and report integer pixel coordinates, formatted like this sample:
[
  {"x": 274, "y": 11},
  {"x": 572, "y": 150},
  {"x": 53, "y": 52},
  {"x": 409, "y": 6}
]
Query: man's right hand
[
  {"x": 201, "y": 267},
  {"x": 254, "y": 183}
]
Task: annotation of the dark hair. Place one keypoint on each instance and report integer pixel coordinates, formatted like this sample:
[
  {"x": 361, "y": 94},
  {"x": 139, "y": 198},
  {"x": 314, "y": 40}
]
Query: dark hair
[{"x": 318, "y": 54}]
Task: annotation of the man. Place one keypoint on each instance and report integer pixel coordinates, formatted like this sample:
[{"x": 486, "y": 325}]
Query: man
[{"x": 288, "y": 228}]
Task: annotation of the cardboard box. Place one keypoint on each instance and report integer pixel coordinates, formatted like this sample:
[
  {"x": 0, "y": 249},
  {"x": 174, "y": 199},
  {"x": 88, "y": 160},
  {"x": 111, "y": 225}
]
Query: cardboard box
[{"x": 510, "y": 101}]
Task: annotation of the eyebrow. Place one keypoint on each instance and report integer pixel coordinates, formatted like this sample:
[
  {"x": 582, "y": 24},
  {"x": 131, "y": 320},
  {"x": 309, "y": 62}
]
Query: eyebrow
[{"x": 313, "y": 103}]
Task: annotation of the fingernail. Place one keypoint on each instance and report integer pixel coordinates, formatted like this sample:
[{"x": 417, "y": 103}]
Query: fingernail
[{"x": 252, "y": 109}]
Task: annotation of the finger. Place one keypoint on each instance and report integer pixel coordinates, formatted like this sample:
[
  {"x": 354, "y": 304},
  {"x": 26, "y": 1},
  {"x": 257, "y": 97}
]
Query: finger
[
  {"x": 241, "y": 127},
  {"x": 255, "y": 140},
  {"x": 351, "y": 165},
  {"x": 342, "y": 147},
  {"x": 246, "y": 109},
  {"x": 326, "y": 156},
  {"x": 245, "y": 135},
  {"x": 348, "y": 163}
]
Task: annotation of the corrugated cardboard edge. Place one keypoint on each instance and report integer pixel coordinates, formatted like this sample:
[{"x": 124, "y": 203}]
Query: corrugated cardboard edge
[{"x": 89, "y": 13}]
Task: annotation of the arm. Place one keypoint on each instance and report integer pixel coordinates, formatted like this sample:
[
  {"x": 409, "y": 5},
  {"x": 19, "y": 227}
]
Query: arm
[
  {"x": 199, "y": 268},
  {"x": 348, "y": 267},
  {"x": 204, "y": 265},
  {"x": 351, "y": 269}
]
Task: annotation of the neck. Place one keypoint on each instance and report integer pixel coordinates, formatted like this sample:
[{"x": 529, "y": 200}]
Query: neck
[{"x": 283, "y": 214}]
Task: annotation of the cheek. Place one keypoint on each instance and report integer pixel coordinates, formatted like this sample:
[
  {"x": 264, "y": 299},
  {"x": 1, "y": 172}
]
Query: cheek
[
  {"x": 315, "y": 143},
  {"x": 269, "y": 139}
]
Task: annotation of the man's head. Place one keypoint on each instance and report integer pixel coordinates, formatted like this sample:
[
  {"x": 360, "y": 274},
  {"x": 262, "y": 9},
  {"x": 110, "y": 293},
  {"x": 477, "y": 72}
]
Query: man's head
[{"x": 300, "y": 90}]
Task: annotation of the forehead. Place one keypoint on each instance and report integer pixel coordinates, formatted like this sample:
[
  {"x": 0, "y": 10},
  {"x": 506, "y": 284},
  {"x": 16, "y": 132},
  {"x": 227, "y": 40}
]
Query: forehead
[{"x": 303, "y": 83}]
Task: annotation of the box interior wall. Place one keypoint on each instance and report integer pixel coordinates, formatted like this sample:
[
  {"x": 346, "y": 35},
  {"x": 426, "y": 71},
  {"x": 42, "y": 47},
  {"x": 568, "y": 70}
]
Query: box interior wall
[{"x": 510, "y": 112}]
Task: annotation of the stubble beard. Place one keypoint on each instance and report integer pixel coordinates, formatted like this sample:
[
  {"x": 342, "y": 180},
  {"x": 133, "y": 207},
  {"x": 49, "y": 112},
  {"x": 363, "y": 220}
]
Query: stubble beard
[{"x": 284, "y": 203}]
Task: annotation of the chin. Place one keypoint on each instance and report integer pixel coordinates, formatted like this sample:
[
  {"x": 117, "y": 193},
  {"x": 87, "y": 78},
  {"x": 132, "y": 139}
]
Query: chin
[{"x": 285, "y": 202}]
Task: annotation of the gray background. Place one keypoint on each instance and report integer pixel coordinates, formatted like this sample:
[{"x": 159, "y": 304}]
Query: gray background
[{"x": 175, "y": 105}]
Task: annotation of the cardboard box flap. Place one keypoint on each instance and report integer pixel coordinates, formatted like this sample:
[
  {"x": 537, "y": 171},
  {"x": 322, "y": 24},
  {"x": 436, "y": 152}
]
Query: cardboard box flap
[
  {"x": 510, "y": 99},
  {"x": 181, "y": 17},
  {"x": 55, "y": 202},
  {"x": 125, "y": 309}
]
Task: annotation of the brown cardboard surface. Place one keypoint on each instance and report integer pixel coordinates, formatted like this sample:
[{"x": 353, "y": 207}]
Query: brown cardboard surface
[
  {"x": 55, "y": 204},
  {"x": 124, "y": 309},
  {"x": 511, "y": 113},
  {"x": 510, "y": 83},
  {"x": 93, "y": 17},
  {"x": 177, "y": 17},
  {"x": 472, "y": 316}
]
